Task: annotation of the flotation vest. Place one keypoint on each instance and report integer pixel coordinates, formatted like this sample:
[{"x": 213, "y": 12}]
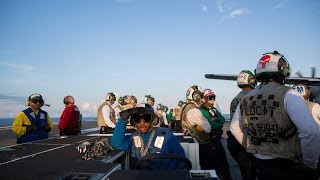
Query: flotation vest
[
  {"x": 39, "y": 120},
  {"x": 235, "y": 101},
  {"x": 177, "y": 113},
  {"x": 195, "y": 131},
  {"x": 270, "y": 130},
  {"x": 159, "y": 143},
  {"x": 100, "y": 118}
]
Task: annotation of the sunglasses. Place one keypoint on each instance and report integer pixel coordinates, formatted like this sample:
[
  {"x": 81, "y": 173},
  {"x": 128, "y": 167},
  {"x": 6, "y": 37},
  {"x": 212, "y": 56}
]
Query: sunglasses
[
  {"x": 211, "y": 97},
  {"x": 137, "y": 118},
  {"x": 35, "y": 101}
]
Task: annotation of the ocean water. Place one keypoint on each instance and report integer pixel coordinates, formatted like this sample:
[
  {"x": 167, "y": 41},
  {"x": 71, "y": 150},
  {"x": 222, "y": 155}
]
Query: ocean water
[{"x": 55, "y": 120}]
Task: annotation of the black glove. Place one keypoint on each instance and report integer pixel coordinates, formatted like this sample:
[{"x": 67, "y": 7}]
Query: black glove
[
  {"x": 31, "y": 128},
  {"x": 125, "y": 114},
  {"x": 47, "y": 128}
]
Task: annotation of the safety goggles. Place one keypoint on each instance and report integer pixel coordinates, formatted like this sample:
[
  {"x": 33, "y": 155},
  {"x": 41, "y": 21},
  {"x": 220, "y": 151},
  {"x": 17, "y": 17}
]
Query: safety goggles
[
  {"x": 137, "y": 118},
  {"x": 35, "y": 101},
  {"x": 211, "y": 97}
]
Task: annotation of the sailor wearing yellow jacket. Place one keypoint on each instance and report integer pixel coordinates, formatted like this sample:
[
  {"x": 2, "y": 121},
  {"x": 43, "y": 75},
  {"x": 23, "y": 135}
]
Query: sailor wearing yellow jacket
[{"x": 32, "y": 123}]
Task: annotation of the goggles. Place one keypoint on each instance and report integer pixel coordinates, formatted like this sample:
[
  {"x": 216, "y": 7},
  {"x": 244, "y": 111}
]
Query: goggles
[
  {"x": 35, "y": 101},
  {"x": 211, "y": 97},
  {"x": 137, "y": 118}
]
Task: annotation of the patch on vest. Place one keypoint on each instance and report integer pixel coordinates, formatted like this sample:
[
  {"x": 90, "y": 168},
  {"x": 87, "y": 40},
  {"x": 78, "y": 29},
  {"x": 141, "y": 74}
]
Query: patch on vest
[
  {"x": 159, "y": 142},
  {"x": 137, "y": 142}
]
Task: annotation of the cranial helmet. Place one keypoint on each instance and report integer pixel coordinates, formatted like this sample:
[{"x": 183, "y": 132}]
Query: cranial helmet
[
  {"x": 126, "y": 99},
  {"x": 246, "y": 78},
  {"x": 111, "y": 97},
  {"x": 272, "y": 64},
  {"x": 159, "y": 107},
  {"x": 35, "y": 96},
  {"x": 194, "y": 93},
  {"x": 121, "y": 100},
  {"x": 68, "y": 100},
  {"x": 208, "y": 92},
  {"x": 148, "y": 99}
]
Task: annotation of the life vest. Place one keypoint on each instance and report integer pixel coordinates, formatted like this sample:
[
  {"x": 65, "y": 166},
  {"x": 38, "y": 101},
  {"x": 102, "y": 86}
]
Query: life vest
[
  {"x": 177, "y": 113},
  {"x": 100, "y": 118},
  {"x": 120, "y": 107},
  {"x": 269, "y": 129},
  {"x": 195, "y": 131},
  {"x": 235, "y": 101},
  {"x": 161, "y": 119},
  {"x": 39, "y": 120},
  {"x": 158, "y": 144}
]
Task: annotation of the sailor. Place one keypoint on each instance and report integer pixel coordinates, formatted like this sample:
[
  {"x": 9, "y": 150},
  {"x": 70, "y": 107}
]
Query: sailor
[
  {"x": 177, "y": 117},
  {"x": 169, "y": 116},
  {"x": 32, "y": 123},
  {"x": 163, "y": 122},
  {"x": 196, "y": 125},
  {"x": 106, "y": 115},
  {"x": 216, "y": 157},
  {"x": 274, "y": 124},
  {"x": 246, "y": 81},
  {"x": 131, "y": 101},
  {"x": 148, "y": 99},
  {"x": 118, "y": 107},
  {"x": 314, "y": 107},
  {"x": 69, "y": 120},
  {"x": 147, "y": 139}
]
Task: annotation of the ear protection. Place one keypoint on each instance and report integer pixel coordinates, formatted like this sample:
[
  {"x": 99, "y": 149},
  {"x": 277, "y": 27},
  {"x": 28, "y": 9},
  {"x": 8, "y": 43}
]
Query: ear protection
[
  {"x": 111, "y": 97},
  {"x": 68, "y": 100},
  {"x": 27, "y": 103},
  {"x": 251, "y": 78},
  {"x": 284, "y": 67},
  {"x": 196, "y": 95}
]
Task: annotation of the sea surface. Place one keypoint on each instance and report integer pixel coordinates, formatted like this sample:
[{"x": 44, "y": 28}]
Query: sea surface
[{"x": 55, "y": 120}]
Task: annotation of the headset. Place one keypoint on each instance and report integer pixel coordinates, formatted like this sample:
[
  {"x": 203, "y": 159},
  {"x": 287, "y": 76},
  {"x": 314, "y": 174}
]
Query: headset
[
  {"x": 194, "y": 93},
  {"x": 68, "y": 100},
  {"x": 250, "y": 80},
  {"x": 32, "y": 96},
  {"x": 272, "y": 64},
  {"x": 111, "y": 97}
]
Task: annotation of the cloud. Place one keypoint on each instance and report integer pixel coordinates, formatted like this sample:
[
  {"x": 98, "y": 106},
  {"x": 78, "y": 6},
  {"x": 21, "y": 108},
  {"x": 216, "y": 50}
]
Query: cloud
[
  {"x": 220, "y": 5},
  {"x": 12, "y": 98},
  {"x": 204, "y": 8},
  {"x": 18, "y": 66},
  {"x": 86, "y": 107},
  {"x": 238, "y": 12},
  {"x": 277, "y": 6}
]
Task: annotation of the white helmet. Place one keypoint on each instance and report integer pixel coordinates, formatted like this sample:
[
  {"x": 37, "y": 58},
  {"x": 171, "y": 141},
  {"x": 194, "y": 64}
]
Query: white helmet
[
  {"x": 194, "y": 93},
  {"x": 208, "y": 92},
  {"x": 271, "y": 65},
  {"x": 246, "y": 78},
  {"x": 148, "y": 99},
  {"x": 111, "y": 97}
]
